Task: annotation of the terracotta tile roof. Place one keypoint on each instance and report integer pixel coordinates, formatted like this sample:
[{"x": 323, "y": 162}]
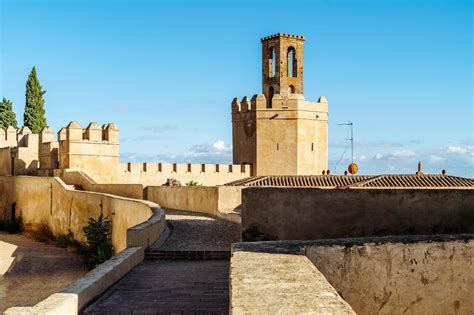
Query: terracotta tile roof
[
  {"x": 358, "y": 181},
  {"x": 416, "y": 181},
  {"x": 299, "y": 181}
]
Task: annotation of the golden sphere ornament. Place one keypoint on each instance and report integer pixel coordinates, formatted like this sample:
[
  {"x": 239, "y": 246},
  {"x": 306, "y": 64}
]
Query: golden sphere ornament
[{"x": 352, "y": 168}]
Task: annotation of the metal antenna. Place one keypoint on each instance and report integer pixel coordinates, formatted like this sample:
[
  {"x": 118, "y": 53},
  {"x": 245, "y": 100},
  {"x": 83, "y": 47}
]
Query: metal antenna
[{"x": 351, "y": 139}]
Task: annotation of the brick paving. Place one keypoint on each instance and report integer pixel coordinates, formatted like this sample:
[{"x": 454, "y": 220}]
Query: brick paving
[
  {"x": 187, "y": 274},
  {"x": 171, "y": 286},
  {"x": 36, "y": 271}
]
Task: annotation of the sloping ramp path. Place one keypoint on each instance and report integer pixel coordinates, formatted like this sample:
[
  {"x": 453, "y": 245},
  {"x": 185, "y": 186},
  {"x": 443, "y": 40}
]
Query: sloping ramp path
[{"x": 187, "y": 274}]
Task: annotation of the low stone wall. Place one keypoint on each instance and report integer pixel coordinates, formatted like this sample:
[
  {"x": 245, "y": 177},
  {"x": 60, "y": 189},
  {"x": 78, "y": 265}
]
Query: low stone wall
[
  {"x": 71, "y": 299},
  {"x": 46, "y": 200},
  {"x": 203, "y": 199},
  {"x": 310, "y": 213},
  {"x": 431, "y": 274},
  {"x": 406, "y": 275},
  {"x": 136, "y": 224},
  {"x": 280, "y": 282},
  {"x": 134, "y": 191}
]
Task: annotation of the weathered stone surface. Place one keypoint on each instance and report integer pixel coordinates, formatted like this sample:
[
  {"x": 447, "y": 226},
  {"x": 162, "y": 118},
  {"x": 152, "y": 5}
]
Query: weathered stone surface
[
  {"x": 269, "y": 283},
  {"x": 427, "y": 277}
]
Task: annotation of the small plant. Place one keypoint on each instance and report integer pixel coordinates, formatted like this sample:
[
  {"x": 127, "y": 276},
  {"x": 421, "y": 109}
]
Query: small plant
[
  {"x": 99, "y": 245},
  {"x": 43, "y": 233},
  {"x": 67, "y": 240},
  {"x": 192, "y": 183}
]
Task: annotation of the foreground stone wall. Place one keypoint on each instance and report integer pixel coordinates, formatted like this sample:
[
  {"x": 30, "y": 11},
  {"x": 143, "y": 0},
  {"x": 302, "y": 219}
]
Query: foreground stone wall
[
  {"x": 47, "y": 201},
  {"x": 431, "y": 274},
  {"x": 280, "y": 283},
  {"x": 308, "y": 213},
  {"x": 401, "y": 277}
]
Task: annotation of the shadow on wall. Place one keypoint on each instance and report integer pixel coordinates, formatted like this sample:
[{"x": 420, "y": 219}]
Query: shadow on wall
[{"x": 308, "y": 214}]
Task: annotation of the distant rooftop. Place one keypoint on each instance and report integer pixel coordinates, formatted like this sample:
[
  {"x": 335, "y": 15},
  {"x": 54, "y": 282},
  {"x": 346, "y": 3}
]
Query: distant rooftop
[{"x": 359, "y": 181}]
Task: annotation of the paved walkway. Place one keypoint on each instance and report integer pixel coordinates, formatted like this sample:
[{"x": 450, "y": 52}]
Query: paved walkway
[
  {"x": 171, "y": 286},
  {"x": 30, "y": 271},
  {"x": 196, "y": 231},
  {"x": 177, "y": 286}
]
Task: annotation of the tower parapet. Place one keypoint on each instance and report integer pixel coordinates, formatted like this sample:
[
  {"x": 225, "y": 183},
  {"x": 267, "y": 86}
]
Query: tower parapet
[{"x": 94, "y": 150}]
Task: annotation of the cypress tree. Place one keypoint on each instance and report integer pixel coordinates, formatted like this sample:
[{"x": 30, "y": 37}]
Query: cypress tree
[
  {"x": 7, "y": 115},
  {"x": 34, "y": 116}
]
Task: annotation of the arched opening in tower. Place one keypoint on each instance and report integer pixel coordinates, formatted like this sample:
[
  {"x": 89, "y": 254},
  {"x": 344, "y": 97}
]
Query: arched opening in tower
[
  {"x": 271, "y": 92},
  {"x": 292, "y": 62}
]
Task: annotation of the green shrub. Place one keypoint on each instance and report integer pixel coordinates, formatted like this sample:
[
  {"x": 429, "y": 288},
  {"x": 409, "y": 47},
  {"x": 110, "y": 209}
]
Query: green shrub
[
  {"x": 66, "y": 240},
  {"x": 43, "y": 233},
  {"x": 192, "y": 183},
  {"x": 99, "y": 246}
]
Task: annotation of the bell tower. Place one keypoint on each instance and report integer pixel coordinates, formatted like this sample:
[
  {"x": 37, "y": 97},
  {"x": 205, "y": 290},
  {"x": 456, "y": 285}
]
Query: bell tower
[
  {"x": 282, "y": 66},
  {"x": 278, "y": 132}
]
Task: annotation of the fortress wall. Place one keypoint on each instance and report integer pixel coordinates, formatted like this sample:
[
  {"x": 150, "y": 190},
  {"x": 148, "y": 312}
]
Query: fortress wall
[
  {"x": 321, "y": 213},
  {"x": 8, "y": 137},
  {"x": 94, "y": 150},
  {"x": 5, "y": 161},
  {"x": 46, "y": 200},
  {"x": 154, "y": 174},
  {"x": 30, "y": 151},
  {"x": 410, "y": 277}
]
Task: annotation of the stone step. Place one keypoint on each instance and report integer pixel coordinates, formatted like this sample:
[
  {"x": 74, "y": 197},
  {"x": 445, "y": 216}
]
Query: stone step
[{"x": 187, "y": 255}]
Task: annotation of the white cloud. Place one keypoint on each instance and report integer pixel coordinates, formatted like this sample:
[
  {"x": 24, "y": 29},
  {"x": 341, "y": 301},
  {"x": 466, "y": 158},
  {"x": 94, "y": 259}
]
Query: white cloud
[
  {"x": 219, "y": 146},
  {"x": 396, "y": 155},
  {"x": 463, "y": 149},
  {"x": 436, "y": 158}
]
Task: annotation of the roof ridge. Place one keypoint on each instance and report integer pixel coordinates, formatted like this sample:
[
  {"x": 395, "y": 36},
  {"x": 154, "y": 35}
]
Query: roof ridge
[{"x": 364, "y": 181}]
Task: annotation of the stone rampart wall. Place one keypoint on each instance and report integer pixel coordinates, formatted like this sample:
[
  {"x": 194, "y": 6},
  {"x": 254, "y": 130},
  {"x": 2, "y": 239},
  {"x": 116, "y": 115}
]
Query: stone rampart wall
[
  {"x": 46, "y": 200},
  {"x": 308, "y": 213},
  {"x": 210, "y": 200}
]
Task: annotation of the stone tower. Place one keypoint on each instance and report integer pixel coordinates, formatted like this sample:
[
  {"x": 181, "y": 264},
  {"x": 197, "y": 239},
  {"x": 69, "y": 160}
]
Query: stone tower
[
  {"x": 282, "y": 65},
  {"x": 278, "y": 132}
]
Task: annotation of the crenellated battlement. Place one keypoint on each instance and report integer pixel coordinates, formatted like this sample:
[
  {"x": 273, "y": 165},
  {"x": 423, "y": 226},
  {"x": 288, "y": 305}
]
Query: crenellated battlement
[
  {"x": 74, "y": 132},
  {"x": 257, "y": 102},
  {"x": 95, "y": 151},
  {"x": 12, "y": 137},
  {"x": 282, "y": 35},
  {"x": 159, "y": 173},
  {"x": 183, "y": 168},
  {"x": 294, "y": 102}
]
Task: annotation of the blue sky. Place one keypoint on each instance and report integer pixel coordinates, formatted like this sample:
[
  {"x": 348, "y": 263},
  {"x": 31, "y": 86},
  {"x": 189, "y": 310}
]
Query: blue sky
[{"x": 167, "y": 71}]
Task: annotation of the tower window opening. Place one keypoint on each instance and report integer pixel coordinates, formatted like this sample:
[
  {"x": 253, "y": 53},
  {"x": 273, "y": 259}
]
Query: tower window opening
[
  {"x": 271, "y": 63},
  {"x": 312, "y": 146},
  {"x": 291, "y": 89},
  {"x": 271, "y": 92},
  {"x": 292, "y": 62},
  {"x": 278, "y": 146}
]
